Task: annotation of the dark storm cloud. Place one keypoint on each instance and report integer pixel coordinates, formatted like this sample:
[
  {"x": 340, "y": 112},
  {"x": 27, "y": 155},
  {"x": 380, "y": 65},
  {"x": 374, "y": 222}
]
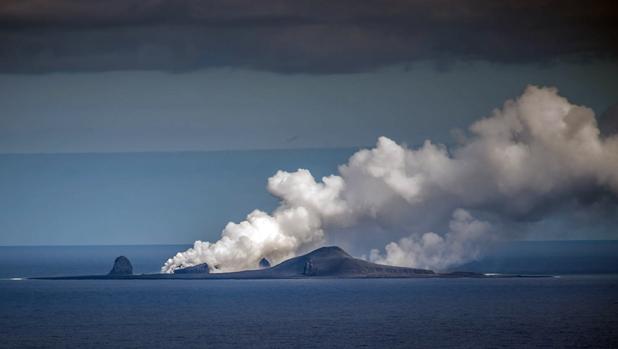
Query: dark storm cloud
[{"x": 295, "y": 36}]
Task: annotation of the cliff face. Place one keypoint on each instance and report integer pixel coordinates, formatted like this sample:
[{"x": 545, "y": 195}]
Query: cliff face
[
  {"x": 122, "y": 266},
  {"x": 196, "y": 269}
]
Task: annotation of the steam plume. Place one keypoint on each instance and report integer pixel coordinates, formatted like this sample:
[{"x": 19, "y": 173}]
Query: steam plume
[
  {"x": 464, "y": 241},
  {"x": 524, "y": 158}
]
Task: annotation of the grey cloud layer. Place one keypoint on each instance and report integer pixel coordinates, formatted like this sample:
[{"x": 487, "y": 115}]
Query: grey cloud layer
[{"x": 295, "y": 36}]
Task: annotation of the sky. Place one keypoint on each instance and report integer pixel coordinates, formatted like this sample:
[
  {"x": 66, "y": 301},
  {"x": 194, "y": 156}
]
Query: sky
[{"x": 119, "y": 117}]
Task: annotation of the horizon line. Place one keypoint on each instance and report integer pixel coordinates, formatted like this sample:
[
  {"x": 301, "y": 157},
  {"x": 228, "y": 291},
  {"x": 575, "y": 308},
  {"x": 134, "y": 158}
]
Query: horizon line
[{"x": 185, "y": 151}]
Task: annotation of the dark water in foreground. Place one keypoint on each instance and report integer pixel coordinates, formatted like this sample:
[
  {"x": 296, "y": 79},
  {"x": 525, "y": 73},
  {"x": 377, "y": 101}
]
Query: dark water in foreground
[{"x": 575, "y": 311}]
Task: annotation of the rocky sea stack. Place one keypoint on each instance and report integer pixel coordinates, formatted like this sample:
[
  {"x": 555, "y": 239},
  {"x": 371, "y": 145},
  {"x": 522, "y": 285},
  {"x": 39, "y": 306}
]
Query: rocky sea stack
[
  {"x": 264, "y": 263},
  {"x": 122, "y": 266}
]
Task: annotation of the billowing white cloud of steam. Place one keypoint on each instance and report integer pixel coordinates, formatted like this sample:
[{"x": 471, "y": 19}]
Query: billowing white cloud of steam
[
  {"x": 463, "y": 242},
  {"x": 535, "y": 148}
]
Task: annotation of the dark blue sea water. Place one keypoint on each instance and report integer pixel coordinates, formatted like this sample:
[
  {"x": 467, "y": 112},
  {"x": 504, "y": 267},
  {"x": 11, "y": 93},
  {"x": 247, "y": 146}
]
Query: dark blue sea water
[{"x": 575, "y": 311}]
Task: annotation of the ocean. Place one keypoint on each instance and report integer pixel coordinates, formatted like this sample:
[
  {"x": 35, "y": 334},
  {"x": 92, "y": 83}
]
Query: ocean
[{"x": 568, "y": 311}]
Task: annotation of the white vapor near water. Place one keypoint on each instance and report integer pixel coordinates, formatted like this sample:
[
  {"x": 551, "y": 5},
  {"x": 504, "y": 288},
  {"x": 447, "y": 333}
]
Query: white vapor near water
[
  {"x": 525, "y": 157},
  {"x": 464, "y": 241}
]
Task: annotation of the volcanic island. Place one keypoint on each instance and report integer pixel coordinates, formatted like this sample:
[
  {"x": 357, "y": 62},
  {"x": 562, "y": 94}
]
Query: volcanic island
[{"x": 324, "y": 262}]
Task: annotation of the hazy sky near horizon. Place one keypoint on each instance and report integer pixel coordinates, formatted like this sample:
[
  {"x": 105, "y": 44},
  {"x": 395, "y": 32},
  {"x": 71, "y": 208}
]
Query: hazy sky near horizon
[{"x": 126, "y": 76}]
